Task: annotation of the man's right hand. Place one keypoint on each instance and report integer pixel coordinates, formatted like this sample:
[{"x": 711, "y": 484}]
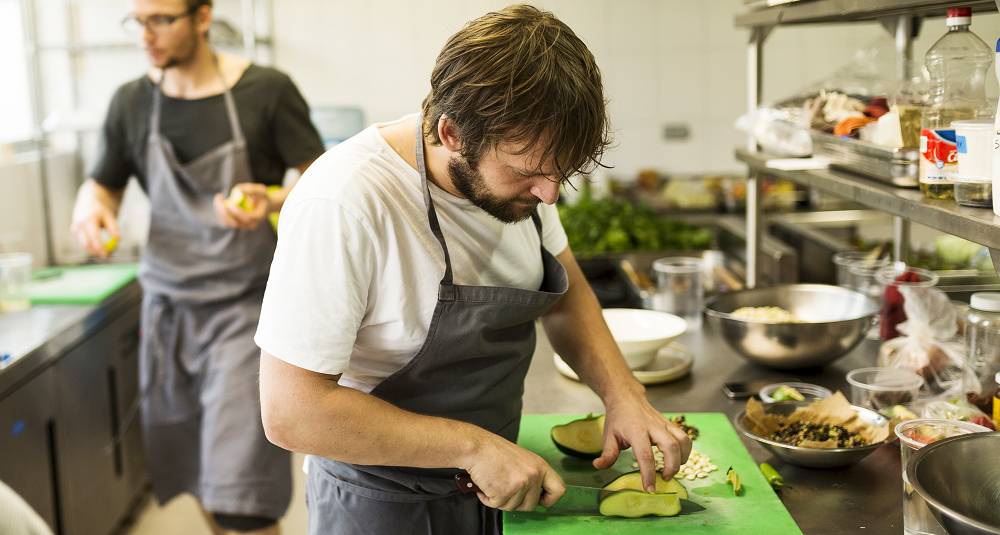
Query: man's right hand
[
  {"x": 95, "y": 211},
  {"x": 512, "y": 478}
]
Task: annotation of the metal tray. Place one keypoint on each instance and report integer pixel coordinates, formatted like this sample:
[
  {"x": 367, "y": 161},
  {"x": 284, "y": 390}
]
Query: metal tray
[{"x": 895, "y": 166}]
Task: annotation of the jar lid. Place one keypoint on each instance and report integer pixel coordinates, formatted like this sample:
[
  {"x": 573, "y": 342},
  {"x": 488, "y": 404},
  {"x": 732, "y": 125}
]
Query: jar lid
[
  {"x": 986, "y": 301},
  {"x": 997, "y": 378}
]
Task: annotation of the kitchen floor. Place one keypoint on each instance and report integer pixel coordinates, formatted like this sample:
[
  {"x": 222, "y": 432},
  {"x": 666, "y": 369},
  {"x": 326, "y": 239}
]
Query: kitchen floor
[{"x": 181, "y": 515}]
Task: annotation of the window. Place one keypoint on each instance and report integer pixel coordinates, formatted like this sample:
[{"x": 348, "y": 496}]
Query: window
[{"x": 15, "y": 95}]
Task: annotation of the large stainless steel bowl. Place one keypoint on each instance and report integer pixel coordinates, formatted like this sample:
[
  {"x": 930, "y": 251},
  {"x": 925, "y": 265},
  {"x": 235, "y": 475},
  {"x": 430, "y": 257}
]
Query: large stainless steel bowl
[
  {"x": 811, "y": 457},
  {"x": 834, "y": 319},
  {"x": 959, "y": 478}
]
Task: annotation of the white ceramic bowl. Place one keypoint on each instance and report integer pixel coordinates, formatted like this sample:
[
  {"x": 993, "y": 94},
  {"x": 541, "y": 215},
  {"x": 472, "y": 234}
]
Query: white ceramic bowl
[{"x": 641, "y": 333}]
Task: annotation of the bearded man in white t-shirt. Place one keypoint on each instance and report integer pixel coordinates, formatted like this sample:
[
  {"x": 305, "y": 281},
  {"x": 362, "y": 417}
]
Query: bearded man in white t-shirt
[{"x": 412, "y": 263}]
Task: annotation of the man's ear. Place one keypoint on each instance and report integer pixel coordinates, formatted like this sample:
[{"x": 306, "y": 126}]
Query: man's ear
[
  {"x": 203, "y": 19},
  {"x": 448, "y": 134}
]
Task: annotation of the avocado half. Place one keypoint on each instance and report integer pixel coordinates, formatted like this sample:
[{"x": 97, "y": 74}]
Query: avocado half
[
  {"x": 635, "y": 504},
  {"x": 583, "y": 438},
  {"x": 633, "y": 481}
]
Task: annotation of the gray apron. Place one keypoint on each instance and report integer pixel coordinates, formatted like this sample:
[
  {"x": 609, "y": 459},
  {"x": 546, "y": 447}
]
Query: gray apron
[
  {"x": 471, "y": 367},
  {"x": 203, "y": 286}
]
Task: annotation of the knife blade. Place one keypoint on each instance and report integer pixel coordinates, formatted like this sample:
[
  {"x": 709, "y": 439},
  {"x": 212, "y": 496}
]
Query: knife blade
[{"x": 575, "y": 501}]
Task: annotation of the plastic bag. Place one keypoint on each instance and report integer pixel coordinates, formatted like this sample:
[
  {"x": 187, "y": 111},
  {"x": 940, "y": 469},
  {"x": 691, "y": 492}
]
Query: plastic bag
[
  {"x": 929, "y": 345},
  {"x": 957, "y": 409}
]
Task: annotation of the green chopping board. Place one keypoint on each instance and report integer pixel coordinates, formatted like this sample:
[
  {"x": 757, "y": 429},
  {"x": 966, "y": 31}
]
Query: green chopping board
[
  {"x": 757, "y": 511},
  {"x": 79, "y": 285}
]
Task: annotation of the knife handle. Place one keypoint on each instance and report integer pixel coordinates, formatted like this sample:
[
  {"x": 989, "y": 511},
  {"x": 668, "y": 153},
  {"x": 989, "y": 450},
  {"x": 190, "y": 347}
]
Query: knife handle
[{"x": 464, "y": 483}]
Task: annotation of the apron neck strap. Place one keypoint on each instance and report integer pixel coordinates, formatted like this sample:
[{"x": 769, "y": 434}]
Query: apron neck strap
[
  {"x": 432, "y": 217},
  {"x": 234, "y": 120}
]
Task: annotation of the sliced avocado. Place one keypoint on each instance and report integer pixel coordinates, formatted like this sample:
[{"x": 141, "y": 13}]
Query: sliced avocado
[
  {"x": 633, "y": 481},
  {"x": 582, "y": 438},
  {"x": 635, "y": 503},
  {"x": 787, "y": 393}
]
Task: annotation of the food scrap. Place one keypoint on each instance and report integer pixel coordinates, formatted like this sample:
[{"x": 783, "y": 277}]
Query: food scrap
[
  {"x": 692, "y": 431},
  {"x": 765, "y": 315},
  {"x": 827, "y": 423},
  {"x": 772, "y": 476},
  {"x": 734, "y": 480}
]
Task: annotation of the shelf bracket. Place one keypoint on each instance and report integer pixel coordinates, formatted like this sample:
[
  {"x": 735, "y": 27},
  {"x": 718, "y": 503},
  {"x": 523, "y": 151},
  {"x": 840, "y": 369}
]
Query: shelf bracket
[{"x": 995, "y": 256}]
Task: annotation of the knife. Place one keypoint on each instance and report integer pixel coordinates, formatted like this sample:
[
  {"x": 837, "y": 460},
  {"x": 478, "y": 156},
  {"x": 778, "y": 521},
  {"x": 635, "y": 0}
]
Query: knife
[{"x": 576, "y": 500}]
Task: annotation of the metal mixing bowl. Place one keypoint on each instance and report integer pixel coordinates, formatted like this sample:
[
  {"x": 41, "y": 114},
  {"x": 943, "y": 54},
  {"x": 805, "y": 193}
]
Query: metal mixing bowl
[
  {"x": 811, "y": 457},
  {"x": 834, "y": 319},
  {"x": 959, "y": 478}
]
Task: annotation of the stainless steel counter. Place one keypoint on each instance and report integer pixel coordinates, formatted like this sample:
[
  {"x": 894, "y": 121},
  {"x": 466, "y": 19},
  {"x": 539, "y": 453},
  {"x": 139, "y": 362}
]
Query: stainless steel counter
[
  {"x": 31, "y": 340},
  {"x": 864, "y": 498}
]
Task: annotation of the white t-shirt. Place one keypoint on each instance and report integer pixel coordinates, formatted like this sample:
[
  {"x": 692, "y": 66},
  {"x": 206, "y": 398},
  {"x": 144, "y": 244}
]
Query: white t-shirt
[{"x": 355, "y": 275}]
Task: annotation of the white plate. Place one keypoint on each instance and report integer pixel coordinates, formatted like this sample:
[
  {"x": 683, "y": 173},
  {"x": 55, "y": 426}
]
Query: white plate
[{"x": 672, "y": 362}]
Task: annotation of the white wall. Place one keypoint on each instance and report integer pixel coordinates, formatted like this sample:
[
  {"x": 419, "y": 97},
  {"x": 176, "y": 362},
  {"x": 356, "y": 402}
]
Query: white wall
[{"x": 663, "y": 61}]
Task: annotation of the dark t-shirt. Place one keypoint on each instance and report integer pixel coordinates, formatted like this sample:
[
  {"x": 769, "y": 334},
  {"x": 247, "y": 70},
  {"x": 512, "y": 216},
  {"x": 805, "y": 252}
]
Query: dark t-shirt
[{"x": 273, "y": 115}]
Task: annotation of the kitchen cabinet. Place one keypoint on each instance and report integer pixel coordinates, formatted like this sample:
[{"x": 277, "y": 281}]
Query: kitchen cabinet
[
  {"x": 96, "y": 384},
  {"x": 26, "y": 436}
]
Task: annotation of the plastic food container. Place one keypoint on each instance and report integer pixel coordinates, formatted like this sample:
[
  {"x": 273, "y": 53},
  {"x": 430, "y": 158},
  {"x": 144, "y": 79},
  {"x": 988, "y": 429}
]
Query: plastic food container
[
  {"x": 15, "y": 276},
  {"x": 809, "y": 391},
  {"x": 974, "y": 191},
  {"x": 974, "y": 141},
  {"x": 883, "y": 388},
  {"x": 890, "y": 279}
]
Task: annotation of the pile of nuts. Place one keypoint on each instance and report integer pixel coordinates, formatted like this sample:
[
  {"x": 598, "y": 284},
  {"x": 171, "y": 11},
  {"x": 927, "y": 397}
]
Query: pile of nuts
[{"x": 698, "y": 465}]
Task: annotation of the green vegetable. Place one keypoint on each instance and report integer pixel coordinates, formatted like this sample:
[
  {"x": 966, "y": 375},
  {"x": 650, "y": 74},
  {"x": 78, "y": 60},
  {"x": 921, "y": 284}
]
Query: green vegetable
[
  {"x": 616, "y": 226},
  {"x": 582, "y": 438},
  {"x": 787, "y": 393},
  {"x": 734, "y": 479},
  {"x": 772, "y": 476},
  {"x": 635, "y": 504},
  {"x": 955, "y": 251},
  {"x": 633, "y": 481}
]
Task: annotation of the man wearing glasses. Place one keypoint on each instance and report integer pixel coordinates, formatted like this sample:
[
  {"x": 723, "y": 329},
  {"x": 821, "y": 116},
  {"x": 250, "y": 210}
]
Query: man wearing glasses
[{"x": 209, "y": 136}]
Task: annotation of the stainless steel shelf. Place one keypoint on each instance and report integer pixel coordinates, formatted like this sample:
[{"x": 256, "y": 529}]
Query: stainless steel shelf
[
  {"x": 820, "y": 11},
  {"x": 973, "y": 224}
]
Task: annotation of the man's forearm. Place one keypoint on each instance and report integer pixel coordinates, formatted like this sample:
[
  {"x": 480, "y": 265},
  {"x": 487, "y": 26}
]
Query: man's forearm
[
  {"x": 309, "y": 413},
  {"x": 577, "y": 331},
  {"x": 94, "y": 192}
]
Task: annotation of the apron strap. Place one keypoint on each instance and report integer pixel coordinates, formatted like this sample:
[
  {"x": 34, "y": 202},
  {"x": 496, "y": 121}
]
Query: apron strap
[
  {"x": 231, "y": 115},
  {"x": 448, "y": 279}
]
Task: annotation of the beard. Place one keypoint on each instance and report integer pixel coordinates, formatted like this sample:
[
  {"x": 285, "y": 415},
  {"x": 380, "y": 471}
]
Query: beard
[
  {"x": 472, "y": 185},
  {"x": 182, "y": 57}
]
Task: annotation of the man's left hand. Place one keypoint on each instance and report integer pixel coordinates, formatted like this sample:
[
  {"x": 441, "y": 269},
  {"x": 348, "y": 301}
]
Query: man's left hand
[
  {"x": 632, "y": 422},
  {"x": 247, "y": 206}
]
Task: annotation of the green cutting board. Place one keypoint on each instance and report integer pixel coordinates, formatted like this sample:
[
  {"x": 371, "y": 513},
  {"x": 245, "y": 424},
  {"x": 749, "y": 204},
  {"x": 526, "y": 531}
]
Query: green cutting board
[
  {"x": 757, "y": 511},
  {"x": 79, "y": 285}
]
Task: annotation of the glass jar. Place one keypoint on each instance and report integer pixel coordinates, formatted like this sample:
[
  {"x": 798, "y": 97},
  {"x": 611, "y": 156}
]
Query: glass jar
[
  {"x": 891, "y": 278},
  {"x": 982, "y": 340}
]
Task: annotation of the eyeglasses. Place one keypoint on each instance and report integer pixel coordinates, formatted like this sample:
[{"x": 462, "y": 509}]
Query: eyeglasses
[{"x": 134, "y": 24}]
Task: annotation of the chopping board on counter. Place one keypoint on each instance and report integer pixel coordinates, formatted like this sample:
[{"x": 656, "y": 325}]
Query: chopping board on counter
[
  {"x": 757, "y": 511},
  {"x": 79, "y": 285}
]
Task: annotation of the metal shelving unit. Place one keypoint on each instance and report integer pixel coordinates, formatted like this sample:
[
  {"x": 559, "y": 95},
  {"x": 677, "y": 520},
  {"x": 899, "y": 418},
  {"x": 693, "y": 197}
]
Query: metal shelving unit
[{"x": 902, "y": 19}]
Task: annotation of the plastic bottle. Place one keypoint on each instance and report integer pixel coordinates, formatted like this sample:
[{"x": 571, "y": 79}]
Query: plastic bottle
[
  {"x": 996, "y": 144},
  {"x": 957, "y": 65}
]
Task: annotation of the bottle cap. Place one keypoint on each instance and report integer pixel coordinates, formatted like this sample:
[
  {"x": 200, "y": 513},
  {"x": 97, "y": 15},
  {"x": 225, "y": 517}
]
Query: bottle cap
[
  {"x": 985, "y": 301},
  {"x": 959, "y": 16}
]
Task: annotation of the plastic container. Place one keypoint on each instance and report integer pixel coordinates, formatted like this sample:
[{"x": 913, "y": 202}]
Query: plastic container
[
  {"x": 15, "y": 276},
  {"x": 974, "y": 143},
  {"x": 996, "y": 143},
  {"x": 974, "y": 191},
  {"x": 890, "y": 279},
  {"x": 913, "y": 435},
  {"x": 847, "y": 260},
  {"x": 883, "y": 388},
  {"x": 679, "y": 288},
  {"x": 982, "y": 342},
  {"x": 957, "y": 65},
  {"x": 809, "y": 391}
]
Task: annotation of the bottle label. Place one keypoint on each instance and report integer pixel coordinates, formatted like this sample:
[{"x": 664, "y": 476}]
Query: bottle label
[{"x": 938, "y": 155}]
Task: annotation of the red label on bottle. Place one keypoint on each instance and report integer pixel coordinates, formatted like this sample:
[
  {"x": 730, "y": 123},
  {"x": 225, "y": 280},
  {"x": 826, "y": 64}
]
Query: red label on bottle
[{"x": 938, "y": 154}]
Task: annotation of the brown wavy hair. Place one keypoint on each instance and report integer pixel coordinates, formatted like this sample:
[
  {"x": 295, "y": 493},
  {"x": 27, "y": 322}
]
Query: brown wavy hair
[{"x": 520, "y": 75}]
